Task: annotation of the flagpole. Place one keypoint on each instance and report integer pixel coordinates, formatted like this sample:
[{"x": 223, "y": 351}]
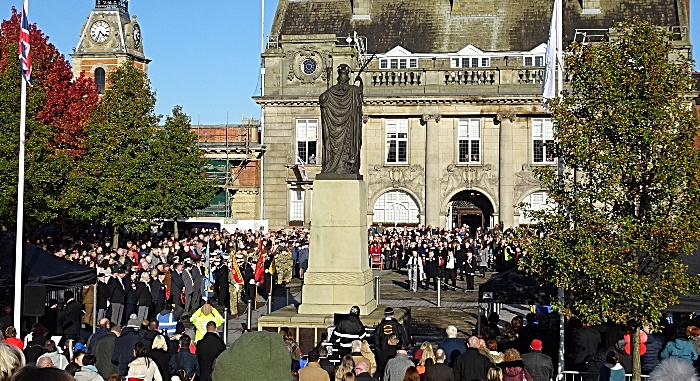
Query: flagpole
[
  {"x": 20, "y": 210},
  {"x": 560, "y": 48}
]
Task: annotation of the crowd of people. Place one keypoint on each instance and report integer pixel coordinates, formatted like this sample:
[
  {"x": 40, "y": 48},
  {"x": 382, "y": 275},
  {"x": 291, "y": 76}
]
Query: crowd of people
[{"x": 158, "y": 298}]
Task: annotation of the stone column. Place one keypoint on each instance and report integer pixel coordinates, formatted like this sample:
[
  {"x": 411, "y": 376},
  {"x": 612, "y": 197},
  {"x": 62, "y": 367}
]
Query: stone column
[
  {"x": 432, "y": 170},
  {"x": 506, "y": 174}
]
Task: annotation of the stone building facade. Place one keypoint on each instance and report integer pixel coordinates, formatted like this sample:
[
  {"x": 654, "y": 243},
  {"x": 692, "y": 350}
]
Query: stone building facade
[{"x": 454, "y": 123}]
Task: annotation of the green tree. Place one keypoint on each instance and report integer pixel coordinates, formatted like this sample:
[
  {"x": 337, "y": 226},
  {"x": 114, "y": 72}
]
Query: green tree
[
  {"x": 108, "y": 184},
  {"x": 180, "y": 187},
  {"x": 627, "y": 208},
  {"x": 58, "y": 106}
]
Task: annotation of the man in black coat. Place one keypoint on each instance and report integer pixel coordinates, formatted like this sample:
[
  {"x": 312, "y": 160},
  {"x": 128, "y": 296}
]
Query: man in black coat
[
  {"x": 70, "y": 317},
  {"x": 472, "y": 365},
  {"x": 439, "y": 371},
  {"x": 158, "y": 293},
  {"x": 538, "y": 364},
  {"x": 117, "y": 296},
  {"x": 124, "y": 346},
  {"x": 143, "y": 296},
  {"x": 184, "y": 359},
  {"x": 132, "y": 300},
  {"x": 208, "y": 349},
  {"x": 221, "y": 279},
  {"x": 584, "y": 342},
  {"x": 177, "y": 284},
  {"x": 103, "y": 295}
]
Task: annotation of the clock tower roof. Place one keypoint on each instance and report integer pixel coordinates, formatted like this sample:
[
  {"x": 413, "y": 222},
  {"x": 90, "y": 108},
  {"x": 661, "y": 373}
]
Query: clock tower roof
[{"x": 110, "y": 29}]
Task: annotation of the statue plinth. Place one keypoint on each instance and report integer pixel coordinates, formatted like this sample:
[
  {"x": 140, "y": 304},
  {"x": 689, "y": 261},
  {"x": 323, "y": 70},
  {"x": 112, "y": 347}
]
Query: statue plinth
[{"x": 339, "y": 275}]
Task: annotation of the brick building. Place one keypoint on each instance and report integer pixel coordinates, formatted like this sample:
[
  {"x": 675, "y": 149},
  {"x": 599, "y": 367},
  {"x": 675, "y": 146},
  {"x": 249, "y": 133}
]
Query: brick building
[
  {"x": 454, "y": 123},
  {"x": 234, "y": 153},
  {"x": 108, "y": 38}
]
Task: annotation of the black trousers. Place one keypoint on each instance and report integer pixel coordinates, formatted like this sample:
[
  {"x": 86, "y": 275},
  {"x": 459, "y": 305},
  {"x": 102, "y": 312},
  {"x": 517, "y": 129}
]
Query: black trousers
[
  {"x": 451, "y": 276},
  {"x": 470, "y": 281}
]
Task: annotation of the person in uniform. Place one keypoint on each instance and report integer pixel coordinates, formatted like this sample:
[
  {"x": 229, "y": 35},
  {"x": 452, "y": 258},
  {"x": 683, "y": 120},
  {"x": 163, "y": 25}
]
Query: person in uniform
[
  {"x": 388, "y": 327},
  {"x": 283, "y": 264}
]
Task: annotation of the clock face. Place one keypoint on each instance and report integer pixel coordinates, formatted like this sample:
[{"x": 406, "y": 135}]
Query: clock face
[
  {"x": 308, "y": 66},
  {"x": 99, "y": 31},
  {"x": 136, "y": 34}
]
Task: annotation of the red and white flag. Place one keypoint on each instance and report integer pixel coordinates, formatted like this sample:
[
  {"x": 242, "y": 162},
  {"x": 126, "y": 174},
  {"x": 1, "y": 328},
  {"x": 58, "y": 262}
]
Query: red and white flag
[{"x": 25, "y": 54}]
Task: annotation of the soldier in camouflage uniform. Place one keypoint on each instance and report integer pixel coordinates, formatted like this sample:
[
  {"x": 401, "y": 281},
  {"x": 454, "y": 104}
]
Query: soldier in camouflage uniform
[
  {"x": 235, "y": 290},
  {"x": 283, "y": 264}
]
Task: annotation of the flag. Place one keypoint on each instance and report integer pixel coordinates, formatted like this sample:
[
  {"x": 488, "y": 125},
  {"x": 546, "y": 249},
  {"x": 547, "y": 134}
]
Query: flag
[
  {"x": 260, "y": 269},
  {"x": 302, "y": 168},
  {"x": 236, "y": 273},
  {"x": 25, "y": 55},
  {"x": 549, "y": 85}
]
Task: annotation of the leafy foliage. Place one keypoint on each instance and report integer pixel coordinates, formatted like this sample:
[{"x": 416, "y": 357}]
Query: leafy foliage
[
  {"x": 134, "y": 171},
  {"x": 627, "y": 207},
  {"x": 107, "y": 183},
  {"x": 181, "y": 187},
  {"x": 57, "y": 109}
]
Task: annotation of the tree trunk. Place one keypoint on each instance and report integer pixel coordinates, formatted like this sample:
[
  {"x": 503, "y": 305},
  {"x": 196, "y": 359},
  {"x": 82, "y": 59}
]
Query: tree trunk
[
  {"x": 636, "y": 360},
  {"x": 115, "y": 238},
  {"x": 176, "y": 233}
]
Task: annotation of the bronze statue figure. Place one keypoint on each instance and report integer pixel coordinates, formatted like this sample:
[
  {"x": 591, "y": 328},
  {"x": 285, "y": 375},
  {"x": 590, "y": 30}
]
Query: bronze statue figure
[{"x": 341, "y": 122}]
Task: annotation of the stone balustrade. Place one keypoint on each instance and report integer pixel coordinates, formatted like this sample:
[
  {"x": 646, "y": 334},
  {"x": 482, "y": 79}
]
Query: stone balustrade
[{"x": 507, "y": 80}]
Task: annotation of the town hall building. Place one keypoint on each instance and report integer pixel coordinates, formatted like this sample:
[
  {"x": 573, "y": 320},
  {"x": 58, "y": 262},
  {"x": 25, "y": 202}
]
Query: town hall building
[{"x": 453, "y": 119}]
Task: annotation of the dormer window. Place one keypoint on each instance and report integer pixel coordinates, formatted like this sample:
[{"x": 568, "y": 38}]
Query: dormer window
[
  {"x": 464, "y": 62},
  {"x": 533, "y": 61},
  {"x": 398, "y": 63}
]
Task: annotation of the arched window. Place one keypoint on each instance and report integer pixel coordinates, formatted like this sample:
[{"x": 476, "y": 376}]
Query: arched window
[
  {"x": 100, "y": 80},
  {"x": 396, "y": 207},
  {"x": 537, "y": 201}
]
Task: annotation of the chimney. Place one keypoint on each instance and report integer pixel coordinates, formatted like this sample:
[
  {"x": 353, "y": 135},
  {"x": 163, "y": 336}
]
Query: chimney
[{"x": 361, "y": 9}]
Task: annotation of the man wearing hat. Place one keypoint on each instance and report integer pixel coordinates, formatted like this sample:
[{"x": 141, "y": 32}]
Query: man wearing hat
[
  {"x": 388, "y": 327},
  {"x": 538, "y": 364},
  {"x": 348, "y": 329},
  {"x": 117, "y": 295}
]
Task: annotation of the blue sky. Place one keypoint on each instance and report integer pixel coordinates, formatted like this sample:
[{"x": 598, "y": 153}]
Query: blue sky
[{"x": 206, "y": 54}]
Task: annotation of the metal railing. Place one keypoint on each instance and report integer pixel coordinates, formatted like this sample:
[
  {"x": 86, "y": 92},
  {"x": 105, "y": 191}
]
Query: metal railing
[{"x": 588, "y": 376}]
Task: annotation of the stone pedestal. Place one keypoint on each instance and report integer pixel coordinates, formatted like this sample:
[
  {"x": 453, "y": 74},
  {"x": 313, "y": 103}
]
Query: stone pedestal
[{"x": 339, "y": 276}]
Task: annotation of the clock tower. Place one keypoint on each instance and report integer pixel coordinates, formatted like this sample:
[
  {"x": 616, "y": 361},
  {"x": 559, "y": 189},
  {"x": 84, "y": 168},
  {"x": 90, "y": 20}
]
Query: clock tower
[{"x": 109, "y": 38}]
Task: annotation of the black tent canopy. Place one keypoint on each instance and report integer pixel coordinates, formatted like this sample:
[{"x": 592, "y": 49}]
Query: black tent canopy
[
  {"x": 40, "y": 266},
  {"x": 514, "y": 287}
]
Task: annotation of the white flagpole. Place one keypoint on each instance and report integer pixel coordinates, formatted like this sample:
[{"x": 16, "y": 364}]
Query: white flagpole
[
  {"x": 20, "y": 209},
  {"x": 560, "y": 49}
]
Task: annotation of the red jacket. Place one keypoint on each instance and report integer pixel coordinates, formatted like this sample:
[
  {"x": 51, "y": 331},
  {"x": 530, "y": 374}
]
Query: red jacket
[{"x": 14, "y": 342}]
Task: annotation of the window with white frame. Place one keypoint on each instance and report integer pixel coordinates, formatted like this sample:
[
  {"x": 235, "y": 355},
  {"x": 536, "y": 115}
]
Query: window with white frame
[
  {"x": 533, "y": 61},
  {"x": 397, "y": 141},
  {"x": 469, "y": 141},
  {"x": 542, "y": 141},
  {"x": 296, "y": 204},
  {"x": 466, "y": 62},
  {"x": 534, "y": 202},
  {"x": 306, "y": 137},
  {"x": 398, "y": 63},
  {"x": 396, "y": 207}
]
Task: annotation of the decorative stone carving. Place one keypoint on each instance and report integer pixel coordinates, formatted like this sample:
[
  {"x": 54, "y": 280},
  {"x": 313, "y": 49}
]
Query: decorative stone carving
[
  {"x": 307, "y": 65},
  {"x": 410, "y": 178},
  {"x": 426, "y": 117},
  {"x": 525, "y": 183},
  {"x": 481, "y": 177},
  {"x": 501, "y": 117}
]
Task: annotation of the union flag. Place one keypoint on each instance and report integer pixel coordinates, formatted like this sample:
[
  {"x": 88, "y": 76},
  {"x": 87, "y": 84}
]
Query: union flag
[{"x": 25, "y": 55}]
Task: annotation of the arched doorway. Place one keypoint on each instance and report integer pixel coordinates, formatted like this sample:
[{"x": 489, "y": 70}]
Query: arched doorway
[{"x": 471, "y": 208}]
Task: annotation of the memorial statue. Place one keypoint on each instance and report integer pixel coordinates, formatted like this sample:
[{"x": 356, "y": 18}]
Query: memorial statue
[{"x": 341, "y": 122}]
